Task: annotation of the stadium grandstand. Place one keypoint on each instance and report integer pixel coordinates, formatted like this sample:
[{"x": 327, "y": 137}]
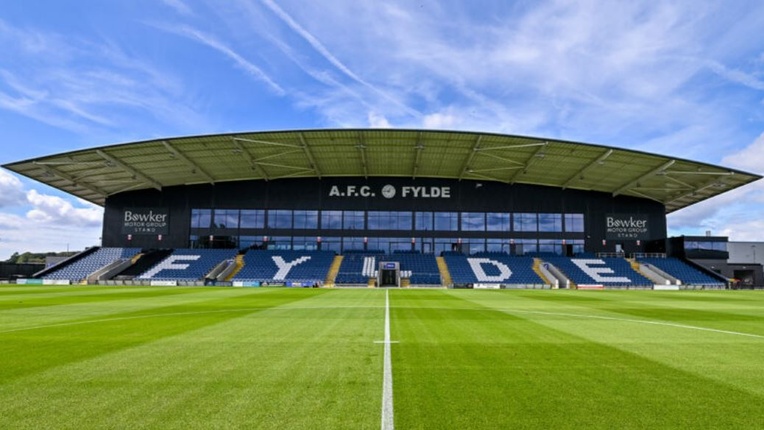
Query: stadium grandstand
[{"x": 387, "y": 208}]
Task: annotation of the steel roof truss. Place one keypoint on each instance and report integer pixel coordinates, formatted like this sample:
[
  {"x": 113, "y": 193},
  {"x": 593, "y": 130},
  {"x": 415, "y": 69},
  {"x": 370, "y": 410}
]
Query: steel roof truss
[
  {"x": 309, "y": 155},
  {"x": 501, "y": 148},
  {"x": 252, "y": 162},
  {"x": 467, "y": 162},
  {"x": 536, "y": 154},
  {"x": 695, "y": 191},
  {"x": 418, "y": 147},
  {"x": 55, "y": 173},
  {"x": 580, "y": 174},
  {"x": 265, "y": 142},
  {"x": 361, "y": 146},
  {"x": 134, "y": 173},
  {"x": 195, "y": 168},
  {"x": 643, "y": 177}
]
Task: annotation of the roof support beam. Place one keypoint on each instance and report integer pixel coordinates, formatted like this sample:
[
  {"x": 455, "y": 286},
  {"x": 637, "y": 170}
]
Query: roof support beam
[
  {"x": 53, "y": 172},
  {"x": 252, "y": 162},
  {"x": 195, "y": 168},
  {"x": 643, "y": 177},
  {"x": 136, "y": 174},
  {"x": 699, "y": 189},
  {"x": 265, "y": 142},
  {"x": 466, "y": 165},
  {"x": 361, "y": 146},
  {"x": 579, "y": 174},
  {"x": 536, "y": 154},
  {"x": 418, "y": 147},
  {"x": 309, "y": 155}
]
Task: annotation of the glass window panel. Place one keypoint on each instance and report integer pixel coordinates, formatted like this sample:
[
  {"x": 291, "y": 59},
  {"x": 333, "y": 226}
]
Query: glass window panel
[
  {"x": 497, "y": 245},
  {"x": 305, "y": 219},
  {"x": 304, "y": 243},
  {"x": 226, "y": 218},
  {"x": 247, "y": 241},
  {"x": 446, "y": 221},
  {"x": 280, "y": 243},
  {"x": 445, "y": 244},
  {"x": 279, "y": 218},
  {"x": 331, "y": 220},
  {"x": 550, "y": 222},
  {"x": 497, "y": 221},
  {"x": 353, "y": 220},
  {"x": 574, "y": 223},
  {"x": 389, "y": 220},
  {"x": 201, "y": 218},
  {"x": 472, "y": 246},
  {"x": 550, "y": 246},
  {"x": 331, "y": 244},
  {"x": 525, "y": 246},
  {"x": 525, "y": 222},
  {"x": 352, "y": 243},
  {"x": 473, "y": 221},
  {"x": 423, "y": 221},
  {"x": 578, "y": 245},
  {"x": 252, "y": 218}
]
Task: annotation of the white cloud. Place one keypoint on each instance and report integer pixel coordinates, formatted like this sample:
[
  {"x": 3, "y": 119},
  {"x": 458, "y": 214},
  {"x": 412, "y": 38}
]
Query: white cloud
[
  {"x": 378, "y": 121},
  {"x": 51, "y": 224},
  {"x": 53, "y": 209},
  {"x": 750, "y": 158},
  {"x": 11, "y": 190},
  {"x": 440, "y": 120},
  {"x": 179, "y": 6},
  {"x": 82, "y": 85}
]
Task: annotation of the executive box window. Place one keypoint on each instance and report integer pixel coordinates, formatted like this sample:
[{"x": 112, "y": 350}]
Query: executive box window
[
  {"x": 352, "y": 243},
  {"x": 446, "y": 221},
  {"x": 201, "y": 218},
  {"x": 574, "y": 223},
  {"x": 353, "y": 220},
  {"x": 473, "y": 221},
  {"x": 495, "y": 221},
  {"x": 550, "y": 246},
  {"x": 525, "y": 222},
  {"x": 497, "y": 245},
  {"x": 390, "y": 244},
  {"x": 550, "y": 222},
  {"x": 305, "y": 219},
  {"x": 331, "y": 220},
  {"x": 331, "y": 244},
  {"x": 252, "y": 218},
  {"x": 705, "y": 245},
  {"x": 389, "y": 220},
  {"x": 423, "y": 221},
  {"x": 279, "y": 218},
  {"x": 226, "y": 218}
]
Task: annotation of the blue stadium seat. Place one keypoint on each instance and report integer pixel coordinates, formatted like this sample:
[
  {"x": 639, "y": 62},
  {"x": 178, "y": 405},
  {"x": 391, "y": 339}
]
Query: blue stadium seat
[
  {"x": 188, "y": 264},
  {"x": 268, "y": 266},
  {"x": 494, "y": 268},
  {"x": 610, "y": 271},
  {"x": 82, "y": 268},
  {"x": 684, "y": 272}
]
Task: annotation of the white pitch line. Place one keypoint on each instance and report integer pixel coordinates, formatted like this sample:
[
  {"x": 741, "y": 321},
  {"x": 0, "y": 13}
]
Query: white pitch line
[
  {"x": 387, "y": 383},
  {"x": 662, "y": 323}
]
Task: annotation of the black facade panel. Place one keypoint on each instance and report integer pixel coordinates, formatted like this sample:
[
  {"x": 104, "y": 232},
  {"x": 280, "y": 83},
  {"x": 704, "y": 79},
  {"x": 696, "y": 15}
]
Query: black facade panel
[{"x": 381, "y": 194}]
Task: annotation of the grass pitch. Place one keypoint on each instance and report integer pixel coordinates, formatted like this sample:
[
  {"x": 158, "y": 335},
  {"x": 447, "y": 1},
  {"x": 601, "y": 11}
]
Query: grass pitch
[{"x": 185, "y": 358}]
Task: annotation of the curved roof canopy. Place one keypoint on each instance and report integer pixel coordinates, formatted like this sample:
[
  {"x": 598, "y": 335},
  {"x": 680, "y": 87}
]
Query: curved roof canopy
[{"x": 94, "y": 174}]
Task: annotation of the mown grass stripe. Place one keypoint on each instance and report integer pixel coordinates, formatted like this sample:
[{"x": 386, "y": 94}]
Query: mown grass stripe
[
  {"x": 462, "y": 368},
  {"x": 33, "y": 351},
  {"x": 388, "y": 413}
]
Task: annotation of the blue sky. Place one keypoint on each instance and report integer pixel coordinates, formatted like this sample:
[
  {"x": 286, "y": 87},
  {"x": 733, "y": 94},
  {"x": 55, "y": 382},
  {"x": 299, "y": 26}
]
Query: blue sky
[{"x": 679, "y": 78}]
